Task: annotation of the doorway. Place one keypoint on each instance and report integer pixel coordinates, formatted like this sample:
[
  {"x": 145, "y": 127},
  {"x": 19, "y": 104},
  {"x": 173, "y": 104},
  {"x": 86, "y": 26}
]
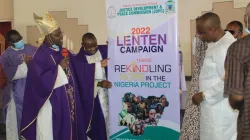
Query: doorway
[{"x": 4, "y": 28}]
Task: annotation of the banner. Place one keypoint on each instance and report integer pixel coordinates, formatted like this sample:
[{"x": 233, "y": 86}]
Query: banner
[{"x": 144, "y": 102}]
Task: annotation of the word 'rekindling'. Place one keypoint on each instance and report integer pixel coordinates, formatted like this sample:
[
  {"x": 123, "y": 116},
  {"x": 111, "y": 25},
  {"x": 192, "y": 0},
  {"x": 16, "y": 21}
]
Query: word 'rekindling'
[{"x": 143, "y": 68}]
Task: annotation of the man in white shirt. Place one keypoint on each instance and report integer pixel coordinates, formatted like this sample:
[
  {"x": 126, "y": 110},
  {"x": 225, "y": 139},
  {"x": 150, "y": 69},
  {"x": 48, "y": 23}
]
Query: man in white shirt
[{"x": 218, "y": 120}]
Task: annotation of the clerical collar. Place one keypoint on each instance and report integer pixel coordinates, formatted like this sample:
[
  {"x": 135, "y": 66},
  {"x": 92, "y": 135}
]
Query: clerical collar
[{"x": 16, "y": 48}]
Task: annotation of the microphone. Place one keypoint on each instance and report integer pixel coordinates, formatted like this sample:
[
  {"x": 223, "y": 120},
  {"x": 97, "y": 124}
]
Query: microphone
[{"x": 65, "y": 54}]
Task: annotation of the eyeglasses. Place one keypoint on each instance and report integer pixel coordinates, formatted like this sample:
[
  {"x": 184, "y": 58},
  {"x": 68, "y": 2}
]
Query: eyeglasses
[{"x": 231, "y": 31}]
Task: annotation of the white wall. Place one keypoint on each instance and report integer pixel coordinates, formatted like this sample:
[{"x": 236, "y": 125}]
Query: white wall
[
  {"x": 240, "y": 3},
  {"x": 6, "y": 10},
  {"x": 92, "y": 13}
]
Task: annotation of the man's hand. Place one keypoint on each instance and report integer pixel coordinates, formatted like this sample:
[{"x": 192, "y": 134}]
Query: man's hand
[
  {"x": 198, "y": 98},
  {"x": 104, "y": 62},
  {"x": 105, "y": 84},
  {"x": 180, "y": 91},
  {"x": 236, "y": 101},
  {"x": 64, "y": 63},
  {"x": 27, "y": 59}
]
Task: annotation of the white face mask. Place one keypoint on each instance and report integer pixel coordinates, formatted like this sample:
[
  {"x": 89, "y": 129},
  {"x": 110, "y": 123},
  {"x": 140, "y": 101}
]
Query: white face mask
[{"x": 246, "y": 29}]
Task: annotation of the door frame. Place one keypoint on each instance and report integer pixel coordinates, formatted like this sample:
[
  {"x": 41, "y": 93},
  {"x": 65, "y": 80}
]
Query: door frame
[
  {"x": 11, "y": 27},
  {"x": 2, "y": 45}
]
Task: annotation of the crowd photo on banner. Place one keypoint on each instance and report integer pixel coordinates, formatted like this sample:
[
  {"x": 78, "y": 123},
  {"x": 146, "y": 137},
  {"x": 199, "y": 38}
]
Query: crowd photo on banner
[
  {"x": 138, "y": 111},
  {"x": 133, "y": 86}
]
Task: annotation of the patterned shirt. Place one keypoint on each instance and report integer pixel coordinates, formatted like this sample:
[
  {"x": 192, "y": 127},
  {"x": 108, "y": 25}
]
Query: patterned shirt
[{"x": 237, "y": 81}]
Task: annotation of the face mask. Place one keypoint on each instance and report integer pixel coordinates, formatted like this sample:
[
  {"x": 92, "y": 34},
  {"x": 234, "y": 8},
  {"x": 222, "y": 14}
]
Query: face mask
[
  {"x": 19, "y": 44},
  {"x": 55, "y": 47}
]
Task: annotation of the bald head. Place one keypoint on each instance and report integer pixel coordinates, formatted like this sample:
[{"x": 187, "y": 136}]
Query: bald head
[
  {"x": 208, "y": 27},
  {"x": 210, "y": 20},
  {"x": 235, "y": 28},
  {"x": 89, "y": 42},
  {"x": 88, "y": 37}
]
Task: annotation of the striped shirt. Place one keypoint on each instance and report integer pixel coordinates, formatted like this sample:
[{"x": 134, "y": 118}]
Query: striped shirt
[{"x": 237, "y": 81}]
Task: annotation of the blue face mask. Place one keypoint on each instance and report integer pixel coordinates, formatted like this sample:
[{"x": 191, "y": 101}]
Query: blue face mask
[
  {"x": 55, "y": 47},
  {"x": 19, "y": 44}
]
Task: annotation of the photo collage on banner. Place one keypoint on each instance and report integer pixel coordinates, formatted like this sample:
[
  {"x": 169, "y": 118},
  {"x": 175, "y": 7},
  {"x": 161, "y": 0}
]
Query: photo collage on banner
[{"x": 144, "y": 101}]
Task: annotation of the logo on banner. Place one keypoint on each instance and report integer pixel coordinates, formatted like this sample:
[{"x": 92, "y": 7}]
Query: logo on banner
[
  {"x": 170, "y": 6},
  {"x": 111, "y": 12}
]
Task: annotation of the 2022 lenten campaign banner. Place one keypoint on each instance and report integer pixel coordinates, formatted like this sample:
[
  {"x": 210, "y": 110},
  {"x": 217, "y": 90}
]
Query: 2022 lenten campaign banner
[{"x": 144, "y": 101}]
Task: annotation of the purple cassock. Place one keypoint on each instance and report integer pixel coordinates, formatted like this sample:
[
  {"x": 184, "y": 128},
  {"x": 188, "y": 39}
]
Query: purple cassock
[
  {"x": 93, "y": 115},
  {"x": 73, "y": 105},
  {"x": 103, "y": 50},
  {"x": 10, "y": 60}
]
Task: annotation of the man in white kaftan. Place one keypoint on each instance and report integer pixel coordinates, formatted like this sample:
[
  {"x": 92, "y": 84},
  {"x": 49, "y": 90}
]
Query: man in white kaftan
[{"x": 218, "y": 120}]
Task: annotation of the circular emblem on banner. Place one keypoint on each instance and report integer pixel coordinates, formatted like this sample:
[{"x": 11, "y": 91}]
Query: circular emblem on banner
[
  {"x": 170, "y": 6},
  {"x": 111, "y": 12}
]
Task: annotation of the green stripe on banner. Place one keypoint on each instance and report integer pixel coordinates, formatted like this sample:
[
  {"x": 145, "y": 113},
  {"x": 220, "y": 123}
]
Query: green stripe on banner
[
  {"x": 151, "y": 133},
  {"x": 118, "y": 133}
]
